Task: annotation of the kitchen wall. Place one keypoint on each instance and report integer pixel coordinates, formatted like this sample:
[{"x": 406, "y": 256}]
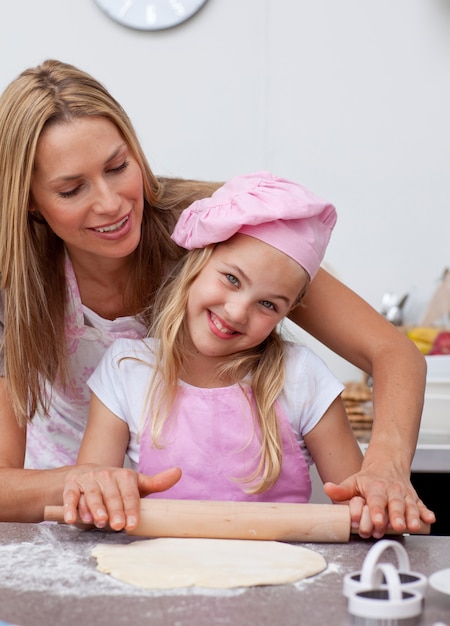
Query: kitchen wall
[{"x": 349, "y": 97}]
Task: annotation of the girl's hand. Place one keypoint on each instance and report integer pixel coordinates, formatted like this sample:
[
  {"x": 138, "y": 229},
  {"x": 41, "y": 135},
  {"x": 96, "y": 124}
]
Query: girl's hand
[
  {"x": 110, "y": 495},
  {"x": 360, "y": 518}
]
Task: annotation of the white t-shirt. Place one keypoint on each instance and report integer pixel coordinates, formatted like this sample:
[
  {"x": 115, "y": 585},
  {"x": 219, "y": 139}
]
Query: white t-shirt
[{"x": 121, "y": 384}]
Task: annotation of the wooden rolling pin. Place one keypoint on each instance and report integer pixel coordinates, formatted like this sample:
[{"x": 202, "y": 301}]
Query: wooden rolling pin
[{"x": 212, "y": 519}]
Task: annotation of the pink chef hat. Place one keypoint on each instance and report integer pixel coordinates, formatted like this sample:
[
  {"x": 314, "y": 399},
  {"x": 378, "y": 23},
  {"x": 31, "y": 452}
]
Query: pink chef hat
[{"x": 275, "y": 210}]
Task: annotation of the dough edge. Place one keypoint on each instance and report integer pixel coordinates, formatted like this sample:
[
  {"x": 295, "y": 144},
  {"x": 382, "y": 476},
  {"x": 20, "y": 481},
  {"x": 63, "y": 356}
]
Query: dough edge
[{"x": 170, "y": 563}]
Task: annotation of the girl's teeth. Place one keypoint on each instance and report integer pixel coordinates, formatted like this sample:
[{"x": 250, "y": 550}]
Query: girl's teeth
[
  {"x": 221, "y": 328},
  {"x": 109, "y": 229}
]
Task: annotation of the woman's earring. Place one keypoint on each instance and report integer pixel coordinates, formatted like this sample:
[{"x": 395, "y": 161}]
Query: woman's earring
[{"x": 36, "y": 216}]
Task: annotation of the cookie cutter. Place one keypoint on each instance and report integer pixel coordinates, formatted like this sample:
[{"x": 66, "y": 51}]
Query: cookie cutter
[
  {"x": 385, "y": 602},
  {"x": 360, "y": 581}
]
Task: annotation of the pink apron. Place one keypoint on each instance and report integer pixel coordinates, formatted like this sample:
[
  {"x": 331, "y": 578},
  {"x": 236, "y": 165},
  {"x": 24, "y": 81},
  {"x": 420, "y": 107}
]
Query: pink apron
[
  {"x": 55, "y": 441},
  {"x": 213, "y": 440}
]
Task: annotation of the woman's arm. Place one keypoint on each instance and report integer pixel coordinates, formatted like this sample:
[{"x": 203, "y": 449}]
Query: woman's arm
[
  {"x": 99, "y": 488},
  {"x": 23, "y": 493},
  {"x": 349, "y": 326}
]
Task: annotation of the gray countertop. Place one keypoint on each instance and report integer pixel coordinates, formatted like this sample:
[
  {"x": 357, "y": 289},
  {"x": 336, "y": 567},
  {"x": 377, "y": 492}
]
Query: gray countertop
[{"x": 47, "y": 577}]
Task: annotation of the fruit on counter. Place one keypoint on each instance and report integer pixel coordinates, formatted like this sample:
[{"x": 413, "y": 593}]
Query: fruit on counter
[
  {"x": 424, "y": 337},
  {"x": 441, "y": 345}
]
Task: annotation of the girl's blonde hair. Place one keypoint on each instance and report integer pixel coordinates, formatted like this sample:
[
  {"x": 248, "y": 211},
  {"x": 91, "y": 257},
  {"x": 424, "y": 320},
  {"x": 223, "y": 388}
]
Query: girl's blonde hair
[
  {"x": 32, "y": 257},
  {"x": 262, "y": 367}
]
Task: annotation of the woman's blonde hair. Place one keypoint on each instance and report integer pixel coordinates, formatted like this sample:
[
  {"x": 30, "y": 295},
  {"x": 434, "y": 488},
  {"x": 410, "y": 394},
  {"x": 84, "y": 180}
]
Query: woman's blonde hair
[
  {"x": 32, "y": 256},
  {"x": 262, "y": 367}
]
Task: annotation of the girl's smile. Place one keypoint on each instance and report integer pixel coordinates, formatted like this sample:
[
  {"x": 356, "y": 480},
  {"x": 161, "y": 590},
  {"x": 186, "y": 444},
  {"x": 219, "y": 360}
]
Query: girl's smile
[{"x": 219, "y": 327}]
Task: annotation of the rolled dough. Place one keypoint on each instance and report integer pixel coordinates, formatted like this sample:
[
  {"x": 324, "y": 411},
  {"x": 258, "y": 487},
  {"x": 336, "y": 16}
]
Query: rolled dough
[{"x": 169, "y": 563}]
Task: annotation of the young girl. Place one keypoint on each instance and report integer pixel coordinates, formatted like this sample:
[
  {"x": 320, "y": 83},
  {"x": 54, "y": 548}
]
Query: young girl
[{"x": 215, "y": 390}]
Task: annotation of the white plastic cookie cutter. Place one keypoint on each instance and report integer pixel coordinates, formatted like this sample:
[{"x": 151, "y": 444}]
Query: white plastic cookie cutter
[
  {"x": 409, "y": 581},
  {"x": 385, "y": 602}
]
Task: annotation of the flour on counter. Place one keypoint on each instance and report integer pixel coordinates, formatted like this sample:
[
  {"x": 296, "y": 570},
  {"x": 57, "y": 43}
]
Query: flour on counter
[
  {"x": 60, "y": 564},
  {"x": 331, "y": 568},
  {"x": 61, "y": 567}
]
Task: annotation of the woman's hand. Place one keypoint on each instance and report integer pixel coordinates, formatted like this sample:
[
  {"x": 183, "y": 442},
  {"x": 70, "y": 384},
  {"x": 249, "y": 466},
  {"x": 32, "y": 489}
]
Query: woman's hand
[
  {"x": 379, "y": 502},
  {"x": 110, "y": 495}
]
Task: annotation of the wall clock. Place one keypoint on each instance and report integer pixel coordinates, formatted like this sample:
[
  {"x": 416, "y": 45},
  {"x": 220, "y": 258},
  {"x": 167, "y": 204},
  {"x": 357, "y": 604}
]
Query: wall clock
[{"x": 150, "y": 14}]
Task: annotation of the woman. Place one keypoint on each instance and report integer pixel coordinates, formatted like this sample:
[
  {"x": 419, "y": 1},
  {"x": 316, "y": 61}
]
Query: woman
[{"x": 84, "y": 242}]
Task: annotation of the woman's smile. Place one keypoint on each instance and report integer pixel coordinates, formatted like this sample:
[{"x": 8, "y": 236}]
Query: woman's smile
[
  {"x": 92, "y": 198},
  {"x": 115, "y": 230}
]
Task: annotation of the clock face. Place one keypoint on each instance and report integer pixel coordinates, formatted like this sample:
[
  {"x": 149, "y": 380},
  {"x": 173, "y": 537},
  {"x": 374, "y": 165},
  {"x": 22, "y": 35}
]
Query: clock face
[{"x": 150, "y": 14}]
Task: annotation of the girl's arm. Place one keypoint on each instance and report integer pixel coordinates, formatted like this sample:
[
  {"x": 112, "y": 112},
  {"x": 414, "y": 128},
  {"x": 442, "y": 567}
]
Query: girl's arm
[
  {"x": 333, "y": 446},
  {"x": 346, "y": 324},
  {"x": 337, "y": 456},
  {"x": 105, "y": 438},
  {"x": 24, "y": 493},
  {"x": 99, "y": 488}
]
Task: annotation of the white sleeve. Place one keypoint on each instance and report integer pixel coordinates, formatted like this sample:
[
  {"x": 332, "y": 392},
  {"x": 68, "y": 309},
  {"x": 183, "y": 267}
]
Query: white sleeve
[
  {"x": 122, "y": 384},
  {"x": 310, "y": 388}
]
